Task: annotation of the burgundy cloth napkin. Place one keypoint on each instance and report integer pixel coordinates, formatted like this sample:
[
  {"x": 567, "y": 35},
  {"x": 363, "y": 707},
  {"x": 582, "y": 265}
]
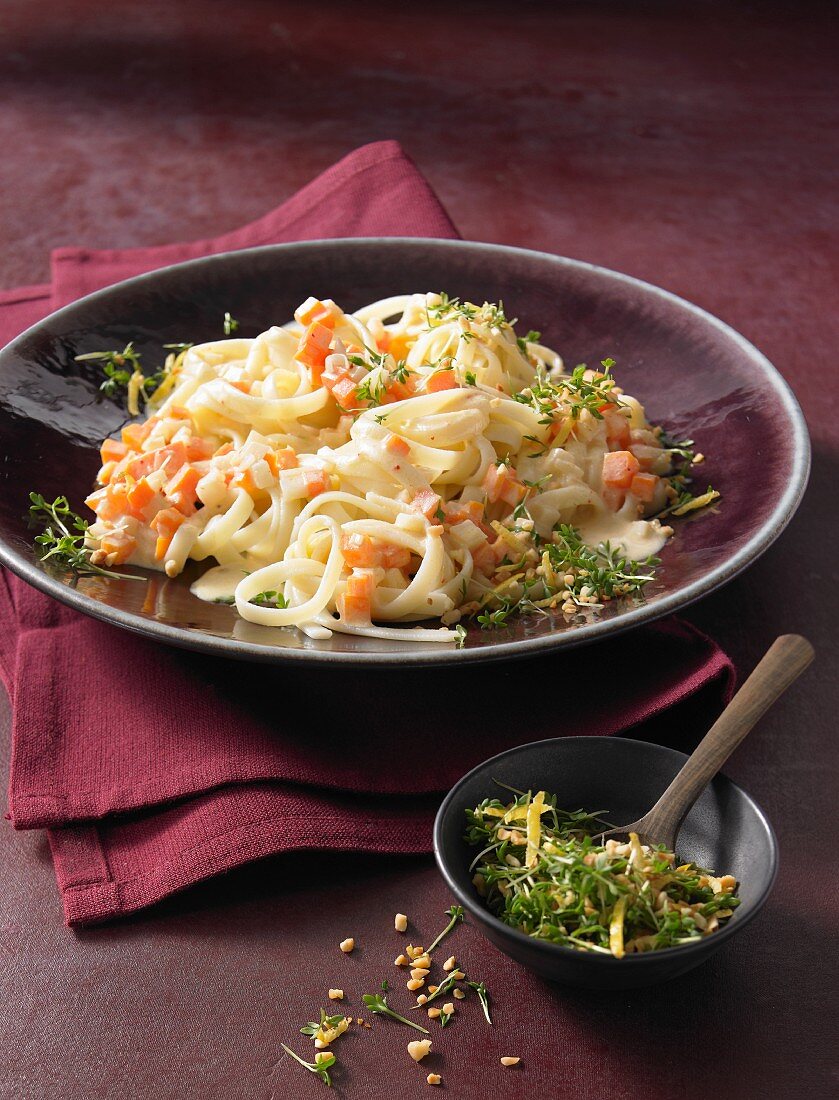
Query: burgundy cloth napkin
[{"x": 153, "y": 768}]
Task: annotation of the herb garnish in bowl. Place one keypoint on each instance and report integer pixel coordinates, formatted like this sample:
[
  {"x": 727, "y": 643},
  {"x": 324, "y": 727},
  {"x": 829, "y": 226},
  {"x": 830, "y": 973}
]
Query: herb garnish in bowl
[{"x": 541, "y": 870}]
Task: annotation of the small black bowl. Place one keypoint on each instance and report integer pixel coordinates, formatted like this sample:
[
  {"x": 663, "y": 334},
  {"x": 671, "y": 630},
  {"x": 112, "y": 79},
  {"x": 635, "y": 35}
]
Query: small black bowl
[{"x": 725, "y": 831}]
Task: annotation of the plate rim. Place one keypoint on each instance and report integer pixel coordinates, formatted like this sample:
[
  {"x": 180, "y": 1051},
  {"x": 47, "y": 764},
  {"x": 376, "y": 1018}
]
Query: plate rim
[{"x": 204, "y": 642}]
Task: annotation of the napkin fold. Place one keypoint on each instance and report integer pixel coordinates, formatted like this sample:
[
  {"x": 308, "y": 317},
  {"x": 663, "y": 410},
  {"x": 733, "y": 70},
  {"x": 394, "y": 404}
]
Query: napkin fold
[{"x": 153, "y": 768}]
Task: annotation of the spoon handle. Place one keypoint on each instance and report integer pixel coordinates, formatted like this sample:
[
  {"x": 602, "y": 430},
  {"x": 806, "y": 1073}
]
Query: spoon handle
[{"x": 783, "y": 663}]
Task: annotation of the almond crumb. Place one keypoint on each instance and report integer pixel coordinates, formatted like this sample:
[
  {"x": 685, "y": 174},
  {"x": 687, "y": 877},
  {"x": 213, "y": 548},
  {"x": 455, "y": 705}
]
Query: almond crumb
[
  {"x": 450, "y": 963},
  {"x": 448, "y": 1008},
  {"x": 510, "y": 1061},
  {"x": 459, "y": 994},
  {"x": 336, "y": 994},
  {"x": 400, "y": 960},
  {"x": 400, "y": 922},
  {"x": 419, "y": 1048},
  {"x": 434, "y": 1079},
  {"x": 415, "y": 983},
  {"x": 433, "y": 1013},
  {"x": 347, "y": 945}
]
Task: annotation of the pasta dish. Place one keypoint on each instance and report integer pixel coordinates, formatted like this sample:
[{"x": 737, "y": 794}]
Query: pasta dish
[{"x": 414, "y": 460}]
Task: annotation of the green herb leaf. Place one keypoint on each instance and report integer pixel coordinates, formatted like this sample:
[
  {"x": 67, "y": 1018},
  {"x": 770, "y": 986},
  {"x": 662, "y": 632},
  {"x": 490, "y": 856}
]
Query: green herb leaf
[
  {"x": 456, "y": 914},
  {"x": 377, "y": 1002},
  {"x": 63, "y": 538},
  {"x": 483, "y": 997},
  {"x": 321, "y": 1068},
  {"x": 117, "y": 366},
  {"x": 231, "y": 325},
  {"x": 269, "y": 598},
  {"x": 581, "y": 893}
]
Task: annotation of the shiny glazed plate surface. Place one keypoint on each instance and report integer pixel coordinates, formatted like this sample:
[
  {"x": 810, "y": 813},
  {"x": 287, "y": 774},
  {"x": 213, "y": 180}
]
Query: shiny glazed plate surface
[{"x": 694, "y": 374}]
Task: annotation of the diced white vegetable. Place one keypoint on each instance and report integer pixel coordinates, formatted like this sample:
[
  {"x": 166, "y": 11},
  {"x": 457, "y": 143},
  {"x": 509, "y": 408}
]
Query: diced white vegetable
[{"x": 467, "y": 534}]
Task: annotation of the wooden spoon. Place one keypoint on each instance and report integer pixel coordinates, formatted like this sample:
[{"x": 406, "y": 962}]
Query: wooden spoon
[{"x": 783, "y": 663}]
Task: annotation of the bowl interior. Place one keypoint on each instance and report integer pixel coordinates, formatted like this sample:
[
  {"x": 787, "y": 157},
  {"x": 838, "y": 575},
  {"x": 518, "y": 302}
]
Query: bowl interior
[
  {"x": 693, "y": 373},
  {"x": 725, "y": 831}
]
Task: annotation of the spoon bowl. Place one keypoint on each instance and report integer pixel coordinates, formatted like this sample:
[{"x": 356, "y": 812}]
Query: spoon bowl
[{"x": 725, "y": 831}]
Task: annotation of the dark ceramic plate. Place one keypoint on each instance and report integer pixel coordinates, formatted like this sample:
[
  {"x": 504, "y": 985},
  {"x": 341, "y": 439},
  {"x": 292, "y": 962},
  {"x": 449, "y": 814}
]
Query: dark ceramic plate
[
  {"x": 725, "y": 831},
  {"x": 693, "y": 373}
]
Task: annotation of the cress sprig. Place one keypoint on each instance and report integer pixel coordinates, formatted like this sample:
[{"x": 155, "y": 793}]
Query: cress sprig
[
  {"x": 321, "y": 1067},
  {"x": 63, "y": 538},
  {"x": 583, "y": 894},
  {"x": 377, "y": 1003}
]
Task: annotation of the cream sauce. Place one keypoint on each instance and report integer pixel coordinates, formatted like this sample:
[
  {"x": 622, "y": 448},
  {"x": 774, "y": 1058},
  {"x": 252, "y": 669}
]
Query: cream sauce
[
  {"x": 638, "y": 537},
  {"x": 218, "y": 584}
]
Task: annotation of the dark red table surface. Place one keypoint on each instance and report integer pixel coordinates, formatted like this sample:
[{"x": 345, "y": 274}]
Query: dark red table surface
[{"x": 691, "y": 145}]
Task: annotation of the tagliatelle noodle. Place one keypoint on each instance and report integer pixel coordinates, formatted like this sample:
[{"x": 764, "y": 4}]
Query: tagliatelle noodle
[{"x": 387, "y": 492}]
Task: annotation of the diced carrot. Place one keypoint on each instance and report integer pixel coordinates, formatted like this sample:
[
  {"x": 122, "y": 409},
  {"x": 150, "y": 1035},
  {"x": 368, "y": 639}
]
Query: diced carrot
[
  {"x": 166, "y": 524},
  {"x": 224, "y": 449},
  {"x": 643, "y": 486},
  {"x": 354, "y": 610},
  {"x": 617, "y": 427},
  {"x": 134, "y": 435},
  {"x": 501, "y": 483},
  {"x": 619, "y": 468},
  {"x": 317, "y": 481},
  {"x": 314, "y": 345},
  {"x": 112, "y": 450},
  {"x": 360, "y": 551},
  {"x": 441, "y": 380},
  {"x": 178, "y": 412},
  {"x": 395, "y": 557},
  {"x": 118, "y": 546},
  {"x": 95, "y": 500},
  {"x": 397, "y": 391},
  {"x": 198, "y": 449},
  {"x": 383, "y": 341},
  {"x": 181, "y": 489},
  {"x": 514, "y": 492},
  {"x": 426, "y": 502},
  {"x": 333, "y": 374},
  {"x": 344, "y": 392},
  {"x": 459, "y": 510},
  {"x": 243, "y": 479},
  {"x": 171, "y": 458},
  {"x": 285, "y": 458},
  {"x": 110, "y": 503},
  {"x": 314, "y": 310},
  {"x": 139, "y": 495},
  {"x": 144, "y": 464},
  {"x": 396, "y": 445},
  {"x": 360, "y": 584},
  {"x": 243, "y": 387},
  {"x": 106, "y": 472}
]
